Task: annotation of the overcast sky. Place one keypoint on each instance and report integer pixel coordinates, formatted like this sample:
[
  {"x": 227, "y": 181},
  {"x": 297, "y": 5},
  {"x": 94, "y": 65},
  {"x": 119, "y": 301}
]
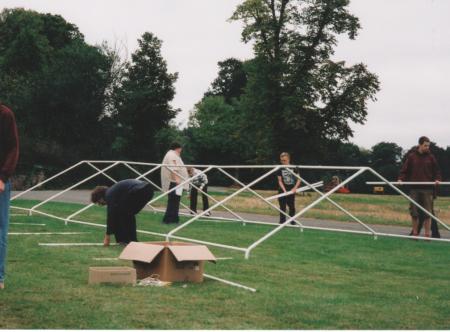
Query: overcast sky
[{"x": 405, "y": 42}]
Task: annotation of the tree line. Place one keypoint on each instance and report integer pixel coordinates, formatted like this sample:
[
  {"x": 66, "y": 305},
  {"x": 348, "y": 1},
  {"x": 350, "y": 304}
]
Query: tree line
[{"x": 76, "y": 101}]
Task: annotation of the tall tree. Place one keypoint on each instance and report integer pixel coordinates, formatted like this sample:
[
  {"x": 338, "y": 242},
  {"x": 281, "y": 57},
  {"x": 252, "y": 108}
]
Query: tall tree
[
  {"x": 144, "y": 100},
  {"x": 55, "y": 83},
  {"x": 385, "y": 158},
  {"x": 230, "y": 81},
  {"x": 297, "y": 92}
]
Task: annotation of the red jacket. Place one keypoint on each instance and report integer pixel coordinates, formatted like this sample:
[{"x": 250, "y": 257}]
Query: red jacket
[
  {"x": 420, "y": 167},
  {"x": 9, "y": 143}
]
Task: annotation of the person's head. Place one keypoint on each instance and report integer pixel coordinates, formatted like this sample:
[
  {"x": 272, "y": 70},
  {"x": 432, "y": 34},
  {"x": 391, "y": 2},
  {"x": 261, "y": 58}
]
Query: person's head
[
  {"x": 190, "y": 171},
  {"x": 424, "y": 144},
  {"x": 285, "y": 158},
  {"x": 175, "y": 146},
  {"x": 98, "y": 195}
]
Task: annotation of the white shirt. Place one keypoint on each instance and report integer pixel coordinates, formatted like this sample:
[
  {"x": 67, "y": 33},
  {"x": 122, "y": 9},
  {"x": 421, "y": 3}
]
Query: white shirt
[{"x": 168, "y": 172}]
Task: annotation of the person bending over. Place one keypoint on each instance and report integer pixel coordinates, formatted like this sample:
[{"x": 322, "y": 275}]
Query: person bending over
[{"x": 123, "y": 200}]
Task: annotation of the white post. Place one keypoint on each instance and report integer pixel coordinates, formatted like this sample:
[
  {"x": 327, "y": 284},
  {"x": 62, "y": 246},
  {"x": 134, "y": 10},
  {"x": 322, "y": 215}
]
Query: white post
[
  {"x": 409, "y": 199},
  {"x": 260, "y": 196},
  {"x": 182, "y": 183},
  {"x": 222, "y": 201},
  {"x": 47, "y": 180},
  {"x": 71, "y": 187},
  {"x": 281, "y": 226},
  {"x": 338, "y": 206}
]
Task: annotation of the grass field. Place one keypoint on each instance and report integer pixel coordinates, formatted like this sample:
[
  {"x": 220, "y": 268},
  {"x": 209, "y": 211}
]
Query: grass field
[{"x": 309, "y": 280}]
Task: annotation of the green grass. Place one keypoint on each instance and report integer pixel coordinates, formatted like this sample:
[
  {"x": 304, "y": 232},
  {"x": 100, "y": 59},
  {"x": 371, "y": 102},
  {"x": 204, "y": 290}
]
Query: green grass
[{"x": 309, "y": 280}]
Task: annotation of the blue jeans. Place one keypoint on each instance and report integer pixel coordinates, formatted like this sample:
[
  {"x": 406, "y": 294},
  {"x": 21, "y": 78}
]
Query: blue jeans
[{"x": 4, "y": 222}]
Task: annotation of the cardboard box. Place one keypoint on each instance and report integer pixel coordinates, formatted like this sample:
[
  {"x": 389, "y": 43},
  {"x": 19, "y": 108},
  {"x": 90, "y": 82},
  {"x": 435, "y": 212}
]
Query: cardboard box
[
  {"x": 112, "y": 274},
  {"x": 171, "y": 261}
]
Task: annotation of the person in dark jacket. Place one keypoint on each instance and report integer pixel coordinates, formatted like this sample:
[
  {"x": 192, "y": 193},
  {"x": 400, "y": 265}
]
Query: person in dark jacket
[
  {"x": 421, "y": 166},
  {"x": 9, "y": 155},
  {"x": 123, "y": 200}
]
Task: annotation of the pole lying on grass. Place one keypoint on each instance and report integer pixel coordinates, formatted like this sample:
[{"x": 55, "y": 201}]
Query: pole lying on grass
[
  {"x": 299, "y": 190},
  {"x": 235, "y": 284}
]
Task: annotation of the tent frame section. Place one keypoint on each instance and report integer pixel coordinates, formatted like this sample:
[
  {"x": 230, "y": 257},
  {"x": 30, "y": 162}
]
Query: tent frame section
[{"x": 101, "y": 168}]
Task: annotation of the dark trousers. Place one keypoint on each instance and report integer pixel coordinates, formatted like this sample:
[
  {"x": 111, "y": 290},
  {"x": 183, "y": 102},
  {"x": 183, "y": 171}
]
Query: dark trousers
[
  {"x": 194, "y": 194},
  {"x": 288, "y": 201},
  {"x": 173, "y": 206},
  {"x": 125, "y": 230}
]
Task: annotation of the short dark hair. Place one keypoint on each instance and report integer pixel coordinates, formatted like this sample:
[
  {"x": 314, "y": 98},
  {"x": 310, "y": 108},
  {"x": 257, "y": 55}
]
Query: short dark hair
[
  {"x": 175, "y": 145},
  {"x": 423, "y": 139},
  {"x": 98, "y": 193}
]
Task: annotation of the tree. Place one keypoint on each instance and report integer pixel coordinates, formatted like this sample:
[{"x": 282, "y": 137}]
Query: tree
[
  {"x": 56, "y": 84},
  {"x": 294, "y": 90},
  {"x": 143, "y": 100},
  {"x": 385, "y": 158},
  {"x": 231, "y": 80}
]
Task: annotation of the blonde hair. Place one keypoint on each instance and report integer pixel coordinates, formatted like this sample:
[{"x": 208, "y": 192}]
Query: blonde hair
[{"x": 285, "y": 154}]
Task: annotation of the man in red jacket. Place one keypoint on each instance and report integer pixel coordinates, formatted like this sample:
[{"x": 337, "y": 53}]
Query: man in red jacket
[
  {"x": 421, "y": 166},
  {"x": 9, "y": 155}
]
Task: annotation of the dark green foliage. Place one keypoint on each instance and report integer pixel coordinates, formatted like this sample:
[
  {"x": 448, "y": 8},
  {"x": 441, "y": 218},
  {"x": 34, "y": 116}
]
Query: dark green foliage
[
  {"x": 144, "y": 101},
  {"x": 55, "y": 83},
  {"x": 296, "y": 98}
]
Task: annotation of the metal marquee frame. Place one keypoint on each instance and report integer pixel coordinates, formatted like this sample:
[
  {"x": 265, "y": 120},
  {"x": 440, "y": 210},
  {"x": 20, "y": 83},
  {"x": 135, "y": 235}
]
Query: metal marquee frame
[{"x": 224, "y": 169}]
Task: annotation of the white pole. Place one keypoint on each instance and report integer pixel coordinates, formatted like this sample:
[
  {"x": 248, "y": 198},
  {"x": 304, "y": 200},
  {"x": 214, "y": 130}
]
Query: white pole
[
  {"x": 409, "y": 198},
  {"x": 157, "y": 187},
  {"x": 217, "y": 204},
  {"x": 281, "y": 226},
  {"x": 182, "y": 183},
  {"x": 260, "y": 196},
  {"x": 229, "y": 282},
  {"x": 299, "y": 190},
  {"x": 339, "y": 206},
  {"x": 70, "y": 188},
  {"x": 215, "y": 200},
  {"x": 47, "y": 180}
]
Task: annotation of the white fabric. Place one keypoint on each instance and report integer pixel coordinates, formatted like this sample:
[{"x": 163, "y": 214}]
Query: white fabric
[{"x": 167, "y": 172}]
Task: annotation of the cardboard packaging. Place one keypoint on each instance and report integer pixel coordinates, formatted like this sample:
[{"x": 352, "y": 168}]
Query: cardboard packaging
[
  {"x": 171, "y": 261},
  {"x": 112, "y": 274}
]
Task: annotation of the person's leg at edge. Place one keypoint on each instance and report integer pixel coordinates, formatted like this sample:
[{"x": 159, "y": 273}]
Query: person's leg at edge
[
  {"x": 193, "y": 205},
  {"x": 205, "y": 198},
  {"x": 4, "y": 223},
  {"x": 282, "y": 203},
  {"x": 414, "y": 213},
  {"x": 291, "y": 204}
]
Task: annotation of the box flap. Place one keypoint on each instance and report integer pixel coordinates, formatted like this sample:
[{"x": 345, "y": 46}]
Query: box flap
[
  {"x": 142, "y": 252},
  {"x": 192, "y": 253}
]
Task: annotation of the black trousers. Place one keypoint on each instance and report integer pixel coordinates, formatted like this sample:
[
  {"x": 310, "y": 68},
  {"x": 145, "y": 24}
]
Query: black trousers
[
  {"x": 194, "y": 194},
  {"x": 173, "y": 207},
  {"x": 288, "y": 201},
  {"x": 125, "y": 230}
]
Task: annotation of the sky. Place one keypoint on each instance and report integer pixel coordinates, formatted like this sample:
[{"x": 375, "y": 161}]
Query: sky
[{"x": 405, "y": 42}]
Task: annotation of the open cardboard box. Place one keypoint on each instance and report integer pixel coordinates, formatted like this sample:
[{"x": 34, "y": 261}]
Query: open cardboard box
[{"x": 171, "y": 261}]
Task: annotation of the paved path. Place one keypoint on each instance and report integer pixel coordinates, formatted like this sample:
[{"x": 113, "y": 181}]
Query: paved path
[{"x": 83, "y": 196}]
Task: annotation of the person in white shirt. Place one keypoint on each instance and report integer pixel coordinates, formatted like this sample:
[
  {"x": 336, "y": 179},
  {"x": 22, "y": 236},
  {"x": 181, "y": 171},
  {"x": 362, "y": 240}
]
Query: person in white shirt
[
  {"x": 172, "y": 176},
  {"x": 198, "y": 180}
]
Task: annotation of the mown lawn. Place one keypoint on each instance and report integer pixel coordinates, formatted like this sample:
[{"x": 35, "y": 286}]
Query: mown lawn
[{"x": 309, "y": 280}]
